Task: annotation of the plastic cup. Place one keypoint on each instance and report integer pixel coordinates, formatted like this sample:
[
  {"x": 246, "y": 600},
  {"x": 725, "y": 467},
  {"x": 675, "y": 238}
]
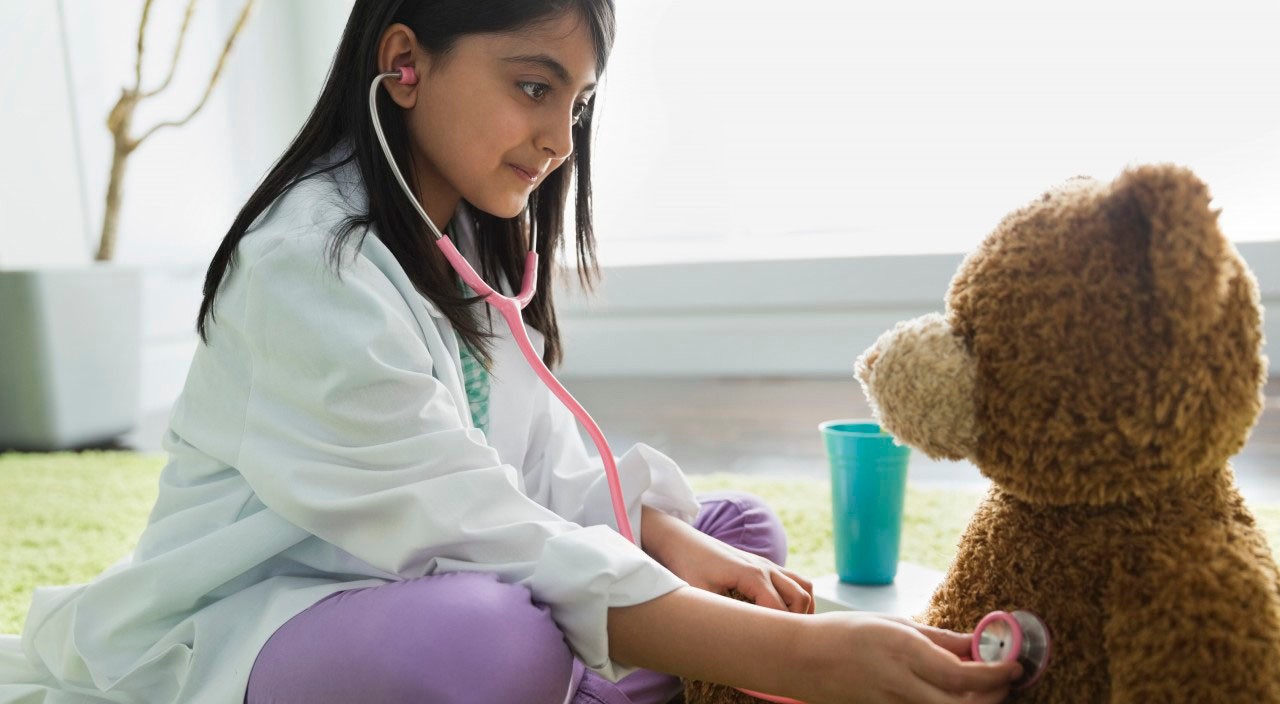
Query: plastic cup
[{"x": 868, "y": 488}]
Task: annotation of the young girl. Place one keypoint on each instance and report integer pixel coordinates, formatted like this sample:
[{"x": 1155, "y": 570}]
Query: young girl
[{"x": 370, "y": 497}]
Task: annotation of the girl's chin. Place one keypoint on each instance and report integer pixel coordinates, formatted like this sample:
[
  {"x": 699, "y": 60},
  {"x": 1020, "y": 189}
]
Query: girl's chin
[{"x": 501, "y": 207}]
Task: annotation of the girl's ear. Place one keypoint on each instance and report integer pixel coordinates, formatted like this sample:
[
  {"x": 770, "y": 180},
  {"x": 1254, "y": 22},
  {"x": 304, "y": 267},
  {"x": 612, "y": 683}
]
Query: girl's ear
[{"x": 398, "y": 48}]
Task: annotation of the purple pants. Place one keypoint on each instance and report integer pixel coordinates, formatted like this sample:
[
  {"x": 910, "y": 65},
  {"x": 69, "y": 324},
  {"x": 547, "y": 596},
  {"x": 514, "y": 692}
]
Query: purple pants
[{"x": 457, "y": 637}]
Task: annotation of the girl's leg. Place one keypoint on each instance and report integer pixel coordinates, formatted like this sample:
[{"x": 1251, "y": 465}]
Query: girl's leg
[
  {"x": 449, "y": 638},
  {"x": 744, "y": 521},
  {"x": 740, "y": 519}
]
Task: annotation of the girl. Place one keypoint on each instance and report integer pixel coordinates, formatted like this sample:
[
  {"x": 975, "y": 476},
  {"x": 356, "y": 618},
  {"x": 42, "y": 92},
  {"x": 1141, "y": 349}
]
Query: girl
[{"x": 371, "y": 498}]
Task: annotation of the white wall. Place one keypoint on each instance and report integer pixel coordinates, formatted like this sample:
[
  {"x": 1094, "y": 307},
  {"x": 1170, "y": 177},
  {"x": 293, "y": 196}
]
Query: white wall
[
  {"x": 183, "y": 186},
  {"x": 41, "y": 198}
]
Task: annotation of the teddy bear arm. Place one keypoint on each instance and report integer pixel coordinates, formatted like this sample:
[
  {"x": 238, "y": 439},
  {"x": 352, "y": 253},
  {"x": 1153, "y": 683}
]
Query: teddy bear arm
[
  {"x": 1200, "y": 627},
  {"x": 968, "y": 593}
]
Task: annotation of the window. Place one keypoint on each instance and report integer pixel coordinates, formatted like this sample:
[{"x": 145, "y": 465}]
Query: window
[{"x": 748, "y": 129}]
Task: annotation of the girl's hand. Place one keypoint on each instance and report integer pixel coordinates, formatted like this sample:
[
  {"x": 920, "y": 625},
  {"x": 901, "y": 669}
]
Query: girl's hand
[
  {"x": 873, "y": 659},
  {"x": 718, "y": 567}
]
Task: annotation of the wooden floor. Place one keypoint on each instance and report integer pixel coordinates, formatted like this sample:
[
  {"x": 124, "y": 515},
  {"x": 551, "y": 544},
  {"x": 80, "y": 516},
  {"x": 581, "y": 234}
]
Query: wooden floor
[{"x": 770, "y": 427}]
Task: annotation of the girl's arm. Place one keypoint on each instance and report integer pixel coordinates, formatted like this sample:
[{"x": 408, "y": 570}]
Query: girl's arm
[
  {"x": 820, "y": 659},
  {"x": 699, "y": 635},
  {"x": 707, "y": 563}
]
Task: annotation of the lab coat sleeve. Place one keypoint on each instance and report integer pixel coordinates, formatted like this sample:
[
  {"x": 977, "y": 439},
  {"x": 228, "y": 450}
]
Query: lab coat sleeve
[
  {"x": 561, "y": 475},
  {"x": 347, "y": 434}
]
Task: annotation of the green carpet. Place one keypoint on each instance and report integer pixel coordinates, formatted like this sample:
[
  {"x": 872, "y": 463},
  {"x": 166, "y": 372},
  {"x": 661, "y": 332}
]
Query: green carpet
[{"x": 64, "y": 517}]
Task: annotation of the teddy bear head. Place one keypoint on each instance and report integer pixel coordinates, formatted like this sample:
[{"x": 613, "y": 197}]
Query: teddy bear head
[{"x": 1102, "y": 344}]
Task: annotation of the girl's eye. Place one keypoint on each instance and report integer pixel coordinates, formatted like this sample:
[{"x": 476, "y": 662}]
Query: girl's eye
[{"x": 537, "y": 91}]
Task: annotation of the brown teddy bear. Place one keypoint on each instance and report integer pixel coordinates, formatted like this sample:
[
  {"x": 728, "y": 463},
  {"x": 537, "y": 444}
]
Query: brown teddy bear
[{"x": 1100, "y": 360}]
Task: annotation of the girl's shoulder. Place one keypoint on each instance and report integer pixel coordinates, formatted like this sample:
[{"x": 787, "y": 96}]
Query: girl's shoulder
[
  {"x": 302, "y": 224},
  {"x": 310, "y": 211},
  {"x": 288, "y": 297},
  {"x": 300, "y": 262},
  {"x": 292, "y": 249}
]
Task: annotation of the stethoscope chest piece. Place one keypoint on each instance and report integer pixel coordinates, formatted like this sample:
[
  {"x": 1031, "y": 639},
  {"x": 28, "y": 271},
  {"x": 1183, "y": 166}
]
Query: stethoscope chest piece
[{"x": 1020, "y": 635}]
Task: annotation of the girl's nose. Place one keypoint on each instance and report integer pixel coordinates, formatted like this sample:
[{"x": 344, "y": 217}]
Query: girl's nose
[{"x": 556, "y": 137}]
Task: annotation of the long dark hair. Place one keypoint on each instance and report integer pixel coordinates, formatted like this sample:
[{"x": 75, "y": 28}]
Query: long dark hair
[{"x": 342, "y": 115}]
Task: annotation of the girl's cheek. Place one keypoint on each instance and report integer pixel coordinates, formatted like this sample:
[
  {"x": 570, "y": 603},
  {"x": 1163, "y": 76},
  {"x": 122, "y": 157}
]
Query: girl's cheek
[{"x": 504, "y": 125}]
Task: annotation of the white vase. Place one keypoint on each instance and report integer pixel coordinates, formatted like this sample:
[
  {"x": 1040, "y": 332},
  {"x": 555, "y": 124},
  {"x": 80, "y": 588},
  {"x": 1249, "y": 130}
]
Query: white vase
[{"x": 69, "y": 356}]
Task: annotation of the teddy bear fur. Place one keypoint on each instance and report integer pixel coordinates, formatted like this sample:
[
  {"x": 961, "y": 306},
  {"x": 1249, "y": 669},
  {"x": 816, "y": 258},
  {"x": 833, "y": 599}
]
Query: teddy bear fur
[{"x": 1100, "y": 359}]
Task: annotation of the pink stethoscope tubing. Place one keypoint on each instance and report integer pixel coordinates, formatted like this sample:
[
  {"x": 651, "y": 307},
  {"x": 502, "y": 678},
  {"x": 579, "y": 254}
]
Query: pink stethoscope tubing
[
  {"x": 510, "y": 307},
  {"x": 510, "y": 310}
]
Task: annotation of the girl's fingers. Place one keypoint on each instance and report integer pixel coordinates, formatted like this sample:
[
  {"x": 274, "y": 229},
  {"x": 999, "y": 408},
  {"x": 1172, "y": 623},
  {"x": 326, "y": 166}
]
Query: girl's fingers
[
  {"x": 759, "y": 588},
  {"x": 797, "y": 599},
  {"x": 944, "y": 670},
  {"x": 952, "y": 642},
  {"x": 776, "y": 588},
  {"x": 958, "y": 643},
  {"x": 805, "y": 584}
]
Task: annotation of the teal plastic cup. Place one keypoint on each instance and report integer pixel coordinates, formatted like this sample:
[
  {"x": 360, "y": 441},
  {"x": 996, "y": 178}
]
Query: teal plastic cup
[{"x": 868, "y": 488}]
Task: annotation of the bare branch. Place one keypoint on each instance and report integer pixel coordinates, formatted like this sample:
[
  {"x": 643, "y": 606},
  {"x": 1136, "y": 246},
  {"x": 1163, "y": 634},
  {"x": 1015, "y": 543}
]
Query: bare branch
[
  {"x": 177, "y": 49},
  {"x": 142, "y": 33},
  {"x": 213, "y": 80}
]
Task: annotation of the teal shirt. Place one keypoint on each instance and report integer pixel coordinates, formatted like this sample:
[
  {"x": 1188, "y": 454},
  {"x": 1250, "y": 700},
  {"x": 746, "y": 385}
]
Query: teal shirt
[
  {"x": 477, "y": 384},
  {"x": 476, "y": 377}
]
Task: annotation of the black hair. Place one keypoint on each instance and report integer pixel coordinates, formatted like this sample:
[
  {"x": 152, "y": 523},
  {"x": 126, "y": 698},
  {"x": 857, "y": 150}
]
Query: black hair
[{"x": 342, "y": 115}]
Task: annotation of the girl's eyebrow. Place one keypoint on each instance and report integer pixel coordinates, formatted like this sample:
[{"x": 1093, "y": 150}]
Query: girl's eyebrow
[{"x": 549, "y": 63}]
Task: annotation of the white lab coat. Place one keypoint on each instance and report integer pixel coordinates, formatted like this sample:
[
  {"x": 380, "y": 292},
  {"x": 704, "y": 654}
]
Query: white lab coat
[{"x": 323, "y": 442}]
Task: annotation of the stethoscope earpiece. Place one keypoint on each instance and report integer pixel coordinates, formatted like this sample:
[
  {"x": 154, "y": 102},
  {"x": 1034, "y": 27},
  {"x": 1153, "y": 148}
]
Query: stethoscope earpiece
[{"x": 1021, "y": 635}]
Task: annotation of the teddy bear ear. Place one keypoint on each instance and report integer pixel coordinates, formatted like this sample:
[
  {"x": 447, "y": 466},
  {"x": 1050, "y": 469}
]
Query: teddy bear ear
[{"x": 1190, "y": 259}]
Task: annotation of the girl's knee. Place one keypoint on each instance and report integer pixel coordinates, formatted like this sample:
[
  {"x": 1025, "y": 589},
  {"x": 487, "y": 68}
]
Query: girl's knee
[
  {"x": 744, "y": 521},
  {"x": 455, "y": 637},
  {"x": 509, "y": 648}
]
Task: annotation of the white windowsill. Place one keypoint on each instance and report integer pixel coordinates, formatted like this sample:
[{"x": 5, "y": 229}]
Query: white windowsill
[{"x": 795, "y": 317}]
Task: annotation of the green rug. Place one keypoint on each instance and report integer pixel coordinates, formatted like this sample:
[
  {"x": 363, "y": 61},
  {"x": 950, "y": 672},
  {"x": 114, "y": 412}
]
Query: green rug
[{"x": 65, "y": 517}]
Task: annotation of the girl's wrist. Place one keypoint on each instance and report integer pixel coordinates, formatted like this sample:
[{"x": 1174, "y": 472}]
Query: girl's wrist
[{"x": 657, "y": 532}]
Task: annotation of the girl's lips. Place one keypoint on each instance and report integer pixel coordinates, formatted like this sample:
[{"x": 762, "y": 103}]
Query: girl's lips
[{"x": 524, "y": 175}]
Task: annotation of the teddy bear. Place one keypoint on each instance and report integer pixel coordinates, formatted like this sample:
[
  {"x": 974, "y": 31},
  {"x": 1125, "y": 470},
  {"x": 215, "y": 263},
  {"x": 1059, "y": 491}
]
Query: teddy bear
[{"x": 1099, "y": 360}]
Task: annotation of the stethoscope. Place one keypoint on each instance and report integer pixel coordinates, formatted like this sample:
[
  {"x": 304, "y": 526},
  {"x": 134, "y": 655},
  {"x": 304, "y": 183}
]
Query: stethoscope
[
  {"x": 509, "y": 307},
  {"x": 1020, "y": 636},
  {"x": 1000, "y": 636}
]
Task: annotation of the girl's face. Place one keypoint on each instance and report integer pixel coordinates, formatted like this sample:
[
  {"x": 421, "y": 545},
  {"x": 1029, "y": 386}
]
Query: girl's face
[{"x": 491, "y": 119}]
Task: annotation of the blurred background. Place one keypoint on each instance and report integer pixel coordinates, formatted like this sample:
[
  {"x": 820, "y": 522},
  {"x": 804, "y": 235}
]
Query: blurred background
[{"x": 775, "y": 184}]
